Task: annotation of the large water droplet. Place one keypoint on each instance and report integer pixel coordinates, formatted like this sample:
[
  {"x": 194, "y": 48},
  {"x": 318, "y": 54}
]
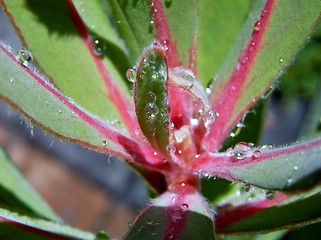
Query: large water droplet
[
  {"x": 151, "y": 110},
  {"x": 242, "y": 150},
  {"x": 131, "y": 75},
  {"x": 257, "y": 154},
  {"x": 270, "y": 194},
  {"x": 184, "y": 207},
  {"x": 168, "y": 124},
  {"x": 99, "y": 46},
  {"x": 25, "y": 56}
]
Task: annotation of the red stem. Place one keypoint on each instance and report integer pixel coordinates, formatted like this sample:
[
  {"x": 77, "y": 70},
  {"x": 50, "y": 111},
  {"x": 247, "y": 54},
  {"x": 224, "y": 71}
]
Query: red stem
[
  {"x": 123, "y": 106},
  {"x": 225, "y": 103}
]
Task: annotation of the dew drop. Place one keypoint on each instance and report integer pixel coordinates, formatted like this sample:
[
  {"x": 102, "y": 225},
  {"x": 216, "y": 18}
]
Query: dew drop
[
  {"x": 59, "y": 111},
  {"x": 25, "y": 56},
  {"x": 11, "y": 80},
  {"x": 99, "y": 46},
  {"x": 168, "y": 3},
  {"x": 131, "y": 75},
  {"x": 230, "y": 152},
  {"x": 168, "y": 124},
  {"x": 209, "y": 118},
  {"x": 242, "y": 150},
  {"x": 47, "y": 103},
  {"x": 151, "y": 110},
  {"x": 267, "y": 147},
  {"x": 257, "y": 154},
  {"x": 208, "y": 91},
  {"x": 246, "y": 187},
  {"x": 295, "y": 168},
  {"x": 184, "y": 207},
  {"x": 104, "y": 143},
  {"x": 149, "y": 222},
  {"x": 270, "y": 194},
  {"x": 281, "y": 60},
  {"x": 257, "y": 26}
]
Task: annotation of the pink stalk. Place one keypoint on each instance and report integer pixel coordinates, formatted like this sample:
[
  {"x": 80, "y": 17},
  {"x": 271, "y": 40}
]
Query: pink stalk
[{"x": 123, "y": 106}]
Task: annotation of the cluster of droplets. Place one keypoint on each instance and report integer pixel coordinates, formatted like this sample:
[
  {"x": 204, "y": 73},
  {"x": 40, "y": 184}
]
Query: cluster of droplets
[
  {"x": 25, "y": 57},
  {"x": 99, "y": 46},
  {"x": 252, "y": 193},
  {"x": 244, "y": 150},
  {"x": 151, "y": 109}
]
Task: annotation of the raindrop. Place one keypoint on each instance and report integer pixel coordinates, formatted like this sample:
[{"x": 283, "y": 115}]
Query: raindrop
[
  {"x": 281, "y": 60},
  {"x": 168, "y": 3},
  {"x": 246, "y": 187},
  {"x": 47, "y": 103},
  {"x": 25, "y": 56},
  {"x": 242, "y": 150},
  {"x": 295, "y": 168},
  {"x": 99, "y": 47},
  {"x": 151, "y": 26},
  {"x": 230, "y": 152},
  {"x": 257, "y": 154},
  {"x": 184, "y": 207},
  {"x": 209, "y": 118},
  {"x": 131, "y": 75},
  {"x": 151, "y": 97},
  {"x": 59, "y": 111},
  {"x": 168, "y": 124},
  {"x": 11, "y": 80},
  {"x": 151, "y": 110},
  {"x": 270, "y": 194},
  {"x": 104, "y": 143},
  {"x": 257, "y": 26},
  {"x": 266, "y": 147},
  {"x": 208, "y": 91}
]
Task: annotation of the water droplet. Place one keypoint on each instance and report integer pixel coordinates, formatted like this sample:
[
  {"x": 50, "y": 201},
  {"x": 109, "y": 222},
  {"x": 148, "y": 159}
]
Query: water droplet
[
  {"x": 295, "y": 168},
  {"x": 59, "y": 111},
  {"x": 151, "y": 97},
  {"x": 244, "y": 60},
  {"x": 168, "y": 124},
  {"x": 184, "y": 207},
  {"x": 263, "y": 14},
  {"x": 257, "y": 154},
  {"x": 25, "y": 56},
  {"x": 151, "y": 26},
  {"x": 257, "y": 26},
  {"x": 104, "y": 143},
  {"x": 281, "y": 60},
  {"x": 151, "y": 110},
  {"x": 174, "y": 199},
  {"x": 230, "y": 152},
  {"x": 197, "y": 156},
  {"x": 266, "y": 147},
  {"x": 270, "y": 194},
  {"x": 149, "y": 222},
  {"x": 242, "y": 150},
  {"x": 208, "y": 91},
  {"x": 194, "y": 122},
  {"x": 237, "y": 129},
  {"x": 99, "y": 46},
  {"x": 131, "y": 75},
  {"x": 11, "y": 80},
  {"x": 47, "y": 103},
  {"x": 168, "y": 3},
  {"x": 209, "y": 118},
  {"x": 246, "y": 187}
]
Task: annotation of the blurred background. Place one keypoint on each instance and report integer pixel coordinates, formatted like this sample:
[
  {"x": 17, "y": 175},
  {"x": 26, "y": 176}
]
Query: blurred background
[{"x": 96, "y": 192}]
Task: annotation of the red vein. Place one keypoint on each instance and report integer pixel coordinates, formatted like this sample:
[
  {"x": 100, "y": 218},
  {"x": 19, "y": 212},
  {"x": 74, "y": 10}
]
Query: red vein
[
  {"x": 116, "y": 96},
  {"x": 34, "y": 230},
  {"x": 225, "y": 104},
  {"x": 226, "y": 217},
  {"x": 179, "y": 100}
]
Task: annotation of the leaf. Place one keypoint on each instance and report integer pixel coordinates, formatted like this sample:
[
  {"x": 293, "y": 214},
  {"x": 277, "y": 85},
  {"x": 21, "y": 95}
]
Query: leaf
[
  {"x": 17, "y": 194},
  {"x": 15, "y": 226},
  {"x": 219, "y": 23},
  {"x": 32, "y": 95},
  {"x": 273, "y": 34},
  {"x": 133, "y": 21},
  {"x": 65, "y": 51},
  {"x": 174, "y": 215},
  {"x": 286, "y": 168},
  {"x": 150, "y": 95},
  {"x": 282, "y": 212}
]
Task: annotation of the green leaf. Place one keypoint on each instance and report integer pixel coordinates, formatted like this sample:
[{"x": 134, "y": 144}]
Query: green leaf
[
  {"x": 150, "y": 95},
  {"x": 273, "y": 34},
  {"x": 219, "y": 23},
  {"x": 296, "y": 211},
  {"x": 182, "y": 26},
  {"x": 15, "y": 226},
  {"x": 180, "y": 214},
  {"x": 31, "y": 94},
  {"x": 68, "y": 59},
  {"x": 17, "y": 194},
  {"x": 133, "y": 21}
]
